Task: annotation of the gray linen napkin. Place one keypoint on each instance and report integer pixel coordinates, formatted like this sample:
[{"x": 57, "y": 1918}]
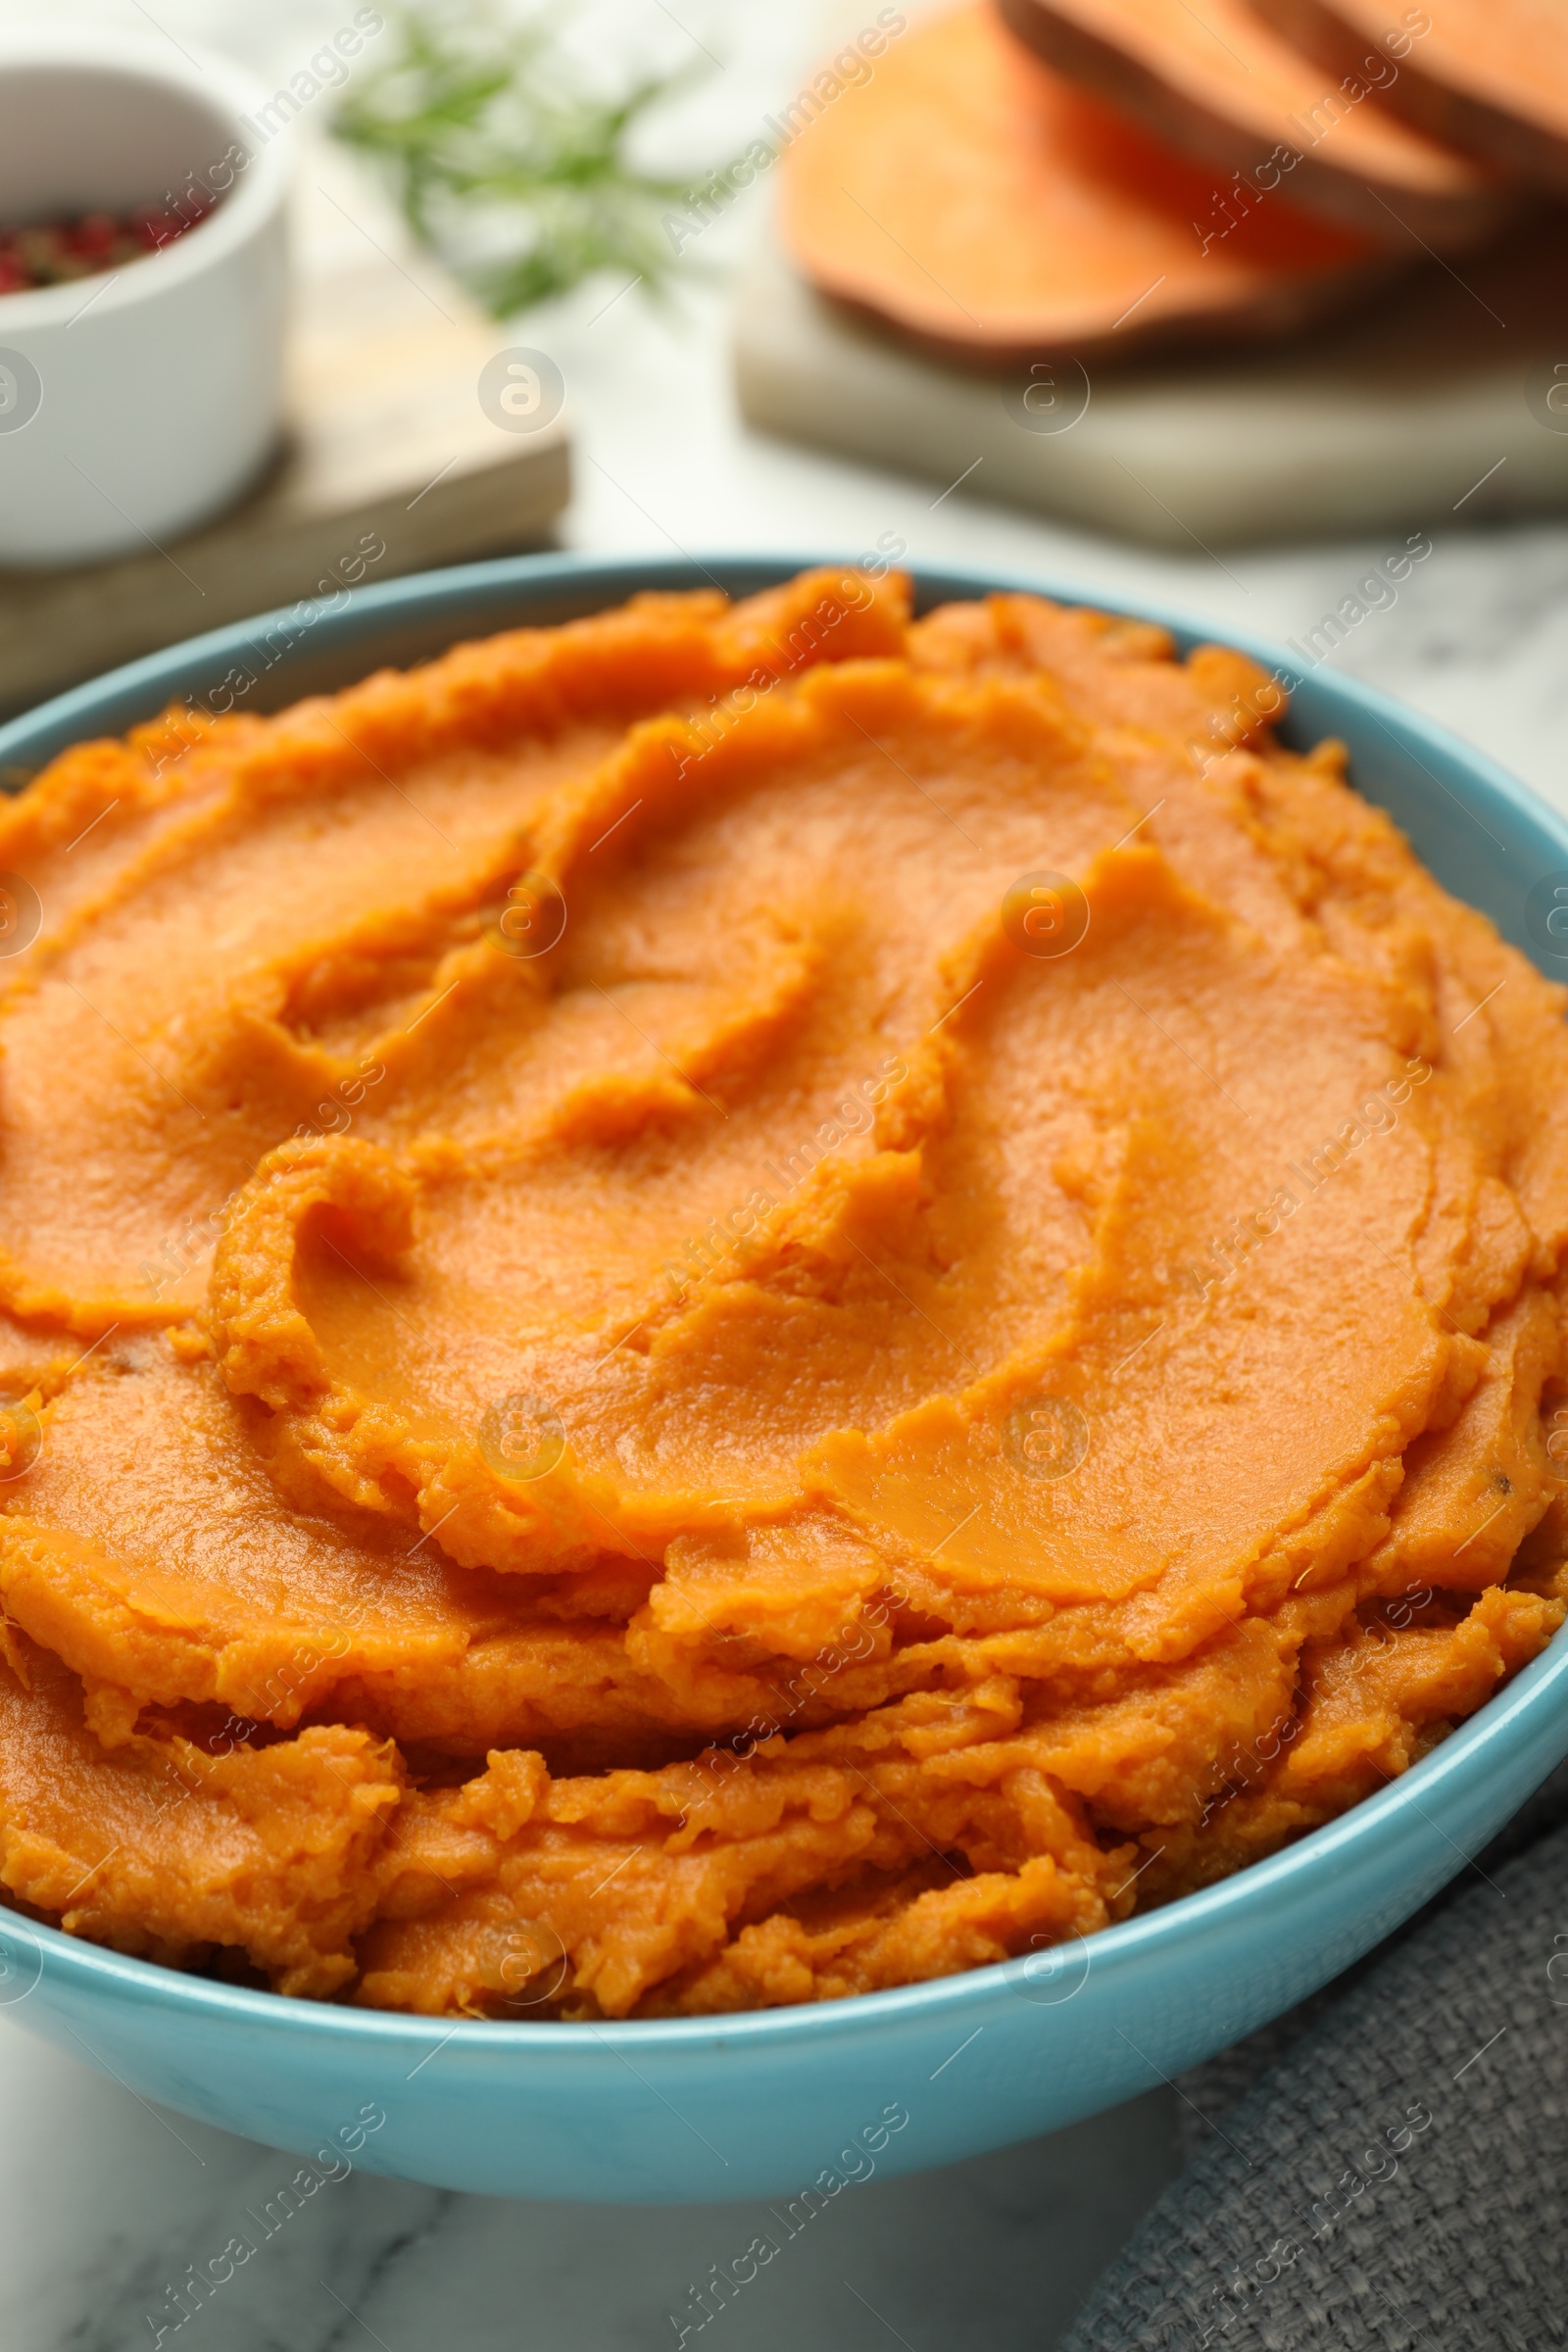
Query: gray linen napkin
[{"x": 1385, "y": 2167}]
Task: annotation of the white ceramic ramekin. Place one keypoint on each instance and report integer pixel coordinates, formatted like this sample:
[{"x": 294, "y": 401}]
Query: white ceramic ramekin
[{"x": 134, "y": 404}]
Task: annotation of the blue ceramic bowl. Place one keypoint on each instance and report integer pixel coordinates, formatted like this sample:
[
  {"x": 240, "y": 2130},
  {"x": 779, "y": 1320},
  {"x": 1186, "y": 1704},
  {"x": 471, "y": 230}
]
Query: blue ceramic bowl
[{"x": 728, "y": 2107}]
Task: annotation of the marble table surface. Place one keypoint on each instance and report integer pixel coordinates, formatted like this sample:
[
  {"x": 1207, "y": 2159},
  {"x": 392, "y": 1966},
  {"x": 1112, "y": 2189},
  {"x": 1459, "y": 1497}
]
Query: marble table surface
[{"x": 103, "y": 2201}]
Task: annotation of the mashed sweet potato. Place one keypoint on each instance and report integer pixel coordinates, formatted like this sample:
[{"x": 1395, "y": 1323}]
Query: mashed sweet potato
[{"x": 738, "y": 1303}]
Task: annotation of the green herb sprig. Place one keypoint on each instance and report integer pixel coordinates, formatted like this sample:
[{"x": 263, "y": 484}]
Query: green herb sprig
[{"x": 491, "y": 140}]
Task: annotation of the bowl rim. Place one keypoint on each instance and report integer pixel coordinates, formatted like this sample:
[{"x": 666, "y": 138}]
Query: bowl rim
[
  {"x": 240, "y": 211},
  {"x": 626, "y": 576},
  {"x": 1249, "y": 1894}
]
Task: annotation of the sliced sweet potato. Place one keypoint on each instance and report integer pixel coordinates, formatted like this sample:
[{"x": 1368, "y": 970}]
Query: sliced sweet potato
[
  {"x": 982, "y": 204},
  {"x": 1488, "y": 75},
  {"x": 1225, "y": 86}
]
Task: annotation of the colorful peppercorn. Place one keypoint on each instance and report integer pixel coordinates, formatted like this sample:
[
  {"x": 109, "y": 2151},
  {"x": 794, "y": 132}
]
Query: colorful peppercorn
[{"x": 50, "y": 253}]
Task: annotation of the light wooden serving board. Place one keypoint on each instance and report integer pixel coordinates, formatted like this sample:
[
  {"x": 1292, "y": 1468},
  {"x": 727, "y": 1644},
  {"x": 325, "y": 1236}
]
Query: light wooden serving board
[
  {"x": 1414, "y": 410},
  {"x": 386, "y": 440}
]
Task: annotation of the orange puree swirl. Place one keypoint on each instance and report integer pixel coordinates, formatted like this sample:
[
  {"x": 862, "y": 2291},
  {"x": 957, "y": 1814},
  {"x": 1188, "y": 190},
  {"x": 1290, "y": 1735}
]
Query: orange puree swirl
[{"x": 739, "y": 1304}]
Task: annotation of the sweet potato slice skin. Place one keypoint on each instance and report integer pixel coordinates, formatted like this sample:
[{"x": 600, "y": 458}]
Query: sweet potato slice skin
[
  {"x": 991, "y": 212},
  {"x": 1488, "y": 75},
  {"x": 1229, "y": 88}
]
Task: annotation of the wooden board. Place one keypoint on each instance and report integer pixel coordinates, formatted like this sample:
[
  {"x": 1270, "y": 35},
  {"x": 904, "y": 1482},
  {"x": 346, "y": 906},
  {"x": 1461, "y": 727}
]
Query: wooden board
[
  {"x": 386, "y": 441},
  {"x": 1430, "y": 407}
]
